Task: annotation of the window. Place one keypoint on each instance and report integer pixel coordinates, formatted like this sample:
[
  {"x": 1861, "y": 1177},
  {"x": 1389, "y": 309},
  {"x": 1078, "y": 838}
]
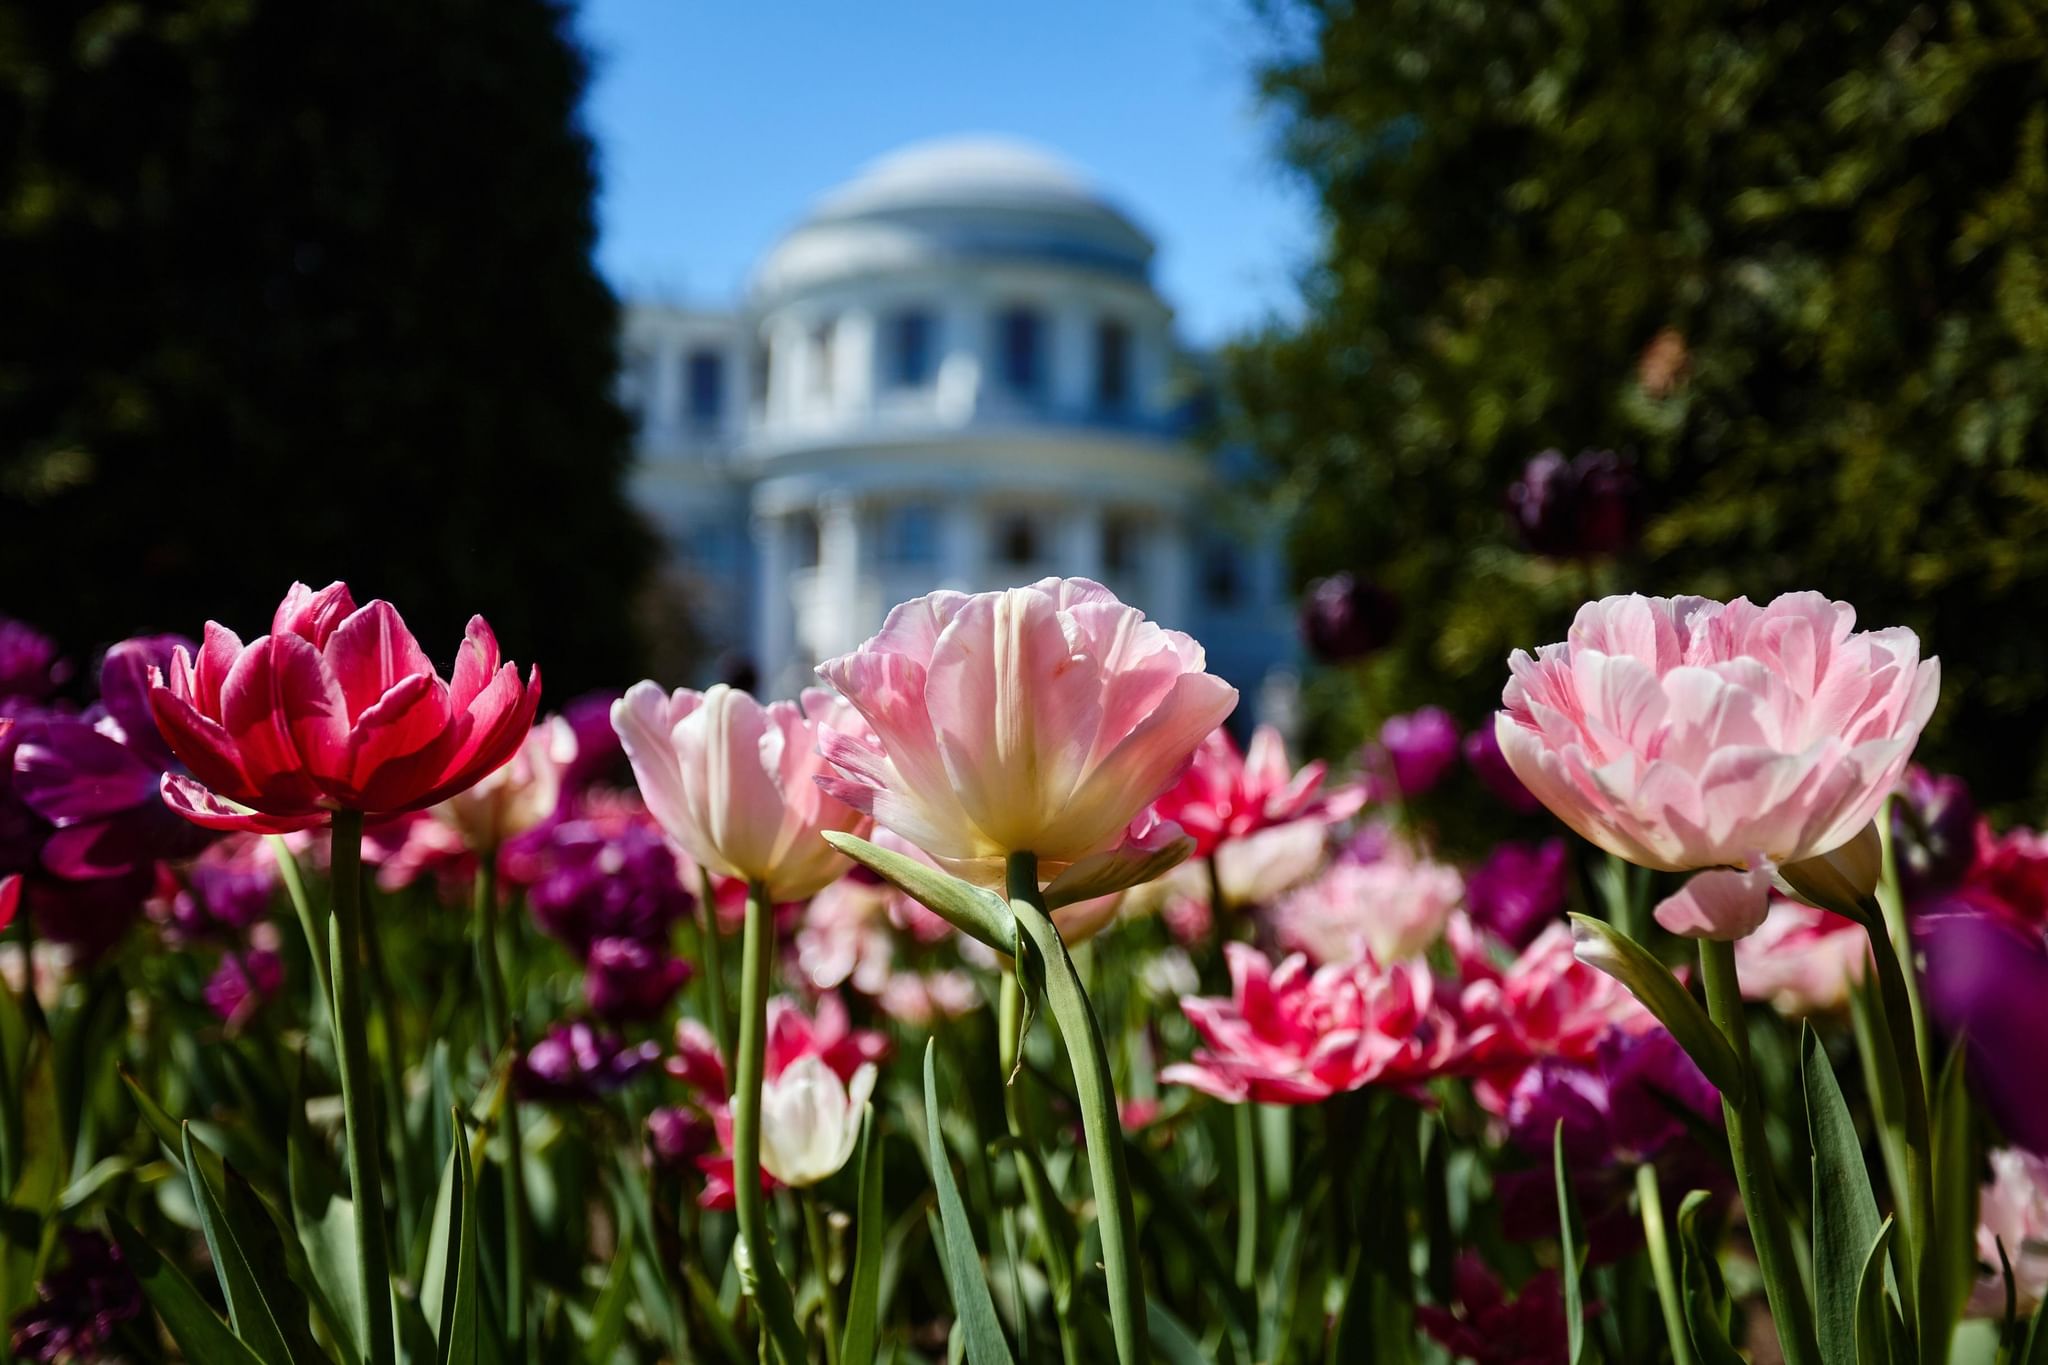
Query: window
[
  {"x": 821, "y": 357},
  {"x": 804, "y": 528},
  {"x": 910, "y": 349},
  {"x": 1017, "y": 540},
  {"x": 1221, "y": 575},
  {"x": 910, "y": 534},
  {"x": 704, "y": 387},
  {"x": 1122, "y": 540},
  {"x": 1020, "y": 338},
  {"x": 1112, "y": 365}
]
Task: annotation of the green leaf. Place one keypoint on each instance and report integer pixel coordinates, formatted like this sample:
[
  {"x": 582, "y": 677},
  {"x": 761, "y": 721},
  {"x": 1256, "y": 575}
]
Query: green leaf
[
  {"x": 1706, "y": 1298},
  {"x": 41, "y": 1160},
  {"x": 1872, "y": 1333},
  {"x": 1172, "y": 1342},
  {"x": 1571, "y": 1252},
  {"x": 975, "y": 911},
  {"x": 608, "y": 1316},
  {"x": 1951, "y": 1266},
  {"x": 324, "y": 1226},
  {"x": 254, "y": 1318},
  {"x": 197, "y": 1329},
  {"x": 981, "y": 1332},
  {"x": 459, "y": 1343},
  {"x": 1845, "y": 1217},
  {"x": 1601, "y": 945},
  {"x": 863, "y": 1302}
]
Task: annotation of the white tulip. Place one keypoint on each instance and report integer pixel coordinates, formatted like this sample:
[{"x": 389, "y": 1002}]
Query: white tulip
[{"x": 810, "y": 1121}]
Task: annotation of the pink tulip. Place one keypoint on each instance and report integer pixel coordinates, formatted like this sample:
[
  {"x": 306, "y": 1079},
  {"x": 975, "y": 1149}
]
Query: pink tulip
[
  {"x": 1296, "y": 1034},
  {"x": 518, "y": 796},
  {"x": 337, "y": 708},
  {"x": 732, "y": 781},
  {"x": 1040, "y": 720},
  {"x": 1684, "y": 734},
  {"x": 2013, "y": 1212},
  {"x": 1391, "y": 908},
  {"x": 1802, "y": 960},
  {"x": 1225, "y": 796}
]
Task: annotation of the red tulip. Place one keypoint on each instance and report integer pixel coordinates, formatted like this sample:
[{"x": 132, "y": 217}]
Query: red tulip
[{"x": 337, "y": 708}]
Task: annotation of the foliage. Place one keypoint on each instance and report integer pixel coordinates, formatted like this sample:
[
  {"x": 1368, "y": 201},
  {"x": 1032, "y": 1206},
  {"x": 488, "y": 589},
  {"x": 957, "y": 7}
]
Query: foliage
[
  {"x": 1793, "y": 257},
  {"x": 255, "y": 249}
]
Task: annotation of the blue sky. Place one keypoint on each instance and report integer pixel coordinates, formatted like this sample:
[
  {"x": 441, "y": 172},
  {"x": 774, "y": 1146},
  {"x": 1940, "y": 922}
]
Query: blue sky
[{"x": 717, "y": 123}]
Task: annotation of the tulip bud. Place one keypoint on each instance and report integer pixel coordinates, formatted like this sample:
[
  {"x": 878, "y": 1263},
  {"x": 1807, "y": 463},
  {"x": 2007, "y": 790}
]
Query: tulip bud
[
  {"x": 1579, "y": 508},
  {"x": 1842, "y": 880},
  {"x": 1344, "y": 619},
  {"x": 810, "y": 1120}
]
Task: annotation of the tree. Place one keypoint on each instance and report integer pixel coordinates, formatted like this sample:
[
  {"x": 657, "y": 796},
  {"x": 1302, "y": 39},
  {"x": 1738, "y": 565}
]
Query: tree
[
  {"x": 304, "y": 290},
  {"x": 1792, "y": 257}
]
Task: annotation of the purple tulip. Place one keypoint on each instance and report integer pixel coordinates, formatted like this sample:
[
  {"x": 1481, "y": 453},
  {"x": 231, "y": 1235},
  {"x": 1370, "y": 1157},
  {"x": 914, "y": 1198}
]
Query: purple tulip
[
  {"x": 1344, "y": 619},
  {"x": 1490, "y": 1328},
  {"x": 1412, "y": 754},
  {"x": 243, "y": 981},
  {"x": 599, "y": 754},
  {"x": 1986, "y": 983},
  {"x": 79, "y": 1309},
  {"x": 30, "y": 669},
  {"x": 625, "y": 980},
  {"x": 1490, "y": 766},
  {"x": 1934, "y": 832},
  {"x": 576, "y": 1062},
  {"x": 1578, "y": 508},
  {"x": 1520, "y": 888},
  {"x": 676, "y": 1137},
  {"x": 596, "y": 879}
]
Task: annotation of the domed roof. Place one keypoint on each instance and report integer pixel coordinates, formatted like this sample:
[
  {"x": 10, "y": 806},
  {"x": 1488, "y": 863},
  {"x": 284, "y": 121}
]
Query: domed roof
[
  {"x": 954, "y": 198},
  {"x": 963, "y": 171}
]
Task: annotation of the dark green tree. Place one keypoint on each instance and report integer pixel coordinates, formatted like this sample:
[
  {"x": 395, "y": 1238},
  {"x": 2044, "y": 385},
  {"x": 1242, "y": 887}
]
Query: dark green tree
[
  {"x": 303, "y": 289},
  {"x": 1793, "y": 257}
]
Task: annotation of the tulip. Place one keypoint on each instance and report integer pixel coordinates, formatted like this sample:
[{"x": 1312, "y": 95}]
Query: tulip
[
  {"x": 624, "y": 980},
  {"x": 1391, "y": 908},
  {"x": 1684, "y": 734},
  {"x": 1802, "y": 961},
  {"x": 577, "y": 1063},
  {"x": 811, "y": 1120},
  {"x": 1293, "y": 1034},
  {"x": 30, "y": 667},
  {"x": 1490, "y": 1328},
  {"x": 1580, "y": 508},
  {"x": 602, "y": 876},
  {"x": 1985, "y": 985},
  {"x": 1490, "y": 766},
  {"x": 1345, "y": 619},
  {"x": 2012, "y": 1215},
  {"x": 730, "y": 780},
  {"x": 1041, "y": 721},
  {"x": 517, "y": 797},
  {"x": 1934, "y": 832},
  {"x": 1226, "y": 796},
  {"x": 1412, "y": 753},
  {"x": 1519, "y": 888},
  {"x": 80, "y": 1308},
  {"x": 337, "y": 709}
]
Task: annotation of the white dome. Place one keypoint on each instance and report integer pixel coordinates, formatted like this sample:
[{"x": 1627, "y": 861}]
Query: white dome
[
  {"x": 980, "y": 198},
  {"x": 963, "y": 171}
]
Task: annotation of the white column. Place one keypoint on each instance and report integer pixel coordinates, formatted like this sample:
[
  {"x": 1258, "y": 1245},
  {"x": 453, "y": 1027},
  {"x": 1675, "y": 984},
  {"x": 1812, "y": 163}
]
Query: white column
[
  {"x": 840, "y": 574},
  {"x": 774, "y": 614},
  {"x": 853, "y": 365},
  {"x": 963, "y": 341},
  {"x": 962, "y": 532},
  {"x": 1078, "y": 542},
  {"x": 1070, "y": 342},
  {"x": 1170, "y": 575},
  {"x": 788, "y": 372}
]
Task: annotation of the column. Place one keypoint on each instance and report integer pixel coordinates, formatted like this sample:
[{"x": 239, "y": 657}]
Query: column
[
  {"x": 1078, "y": 541},
  {"x": 1170, "y": 575},
  {"x": 963, "y": 341},
  {"x": 961, "y": 536},
  {"x": 774, "y": 616},
  {"x": 839, "y": 575},
  {"x": 1070, "y": 344}
]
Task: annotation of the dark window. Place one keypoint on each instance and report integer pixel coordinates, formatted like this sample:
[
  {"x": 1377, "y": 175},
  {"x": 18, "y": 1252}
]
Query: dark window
[
  {"x": 821, "y": 357},
  {"x": 910, "y": 349},
  {"x": 806, "y": 533},
  {"x": 704, "y": 387},
  {"x": 1222, "y": 577},
  {"x": 1112, "y": 365},
  {"x": 1121, "y": 538},
  {"x": 911, "y": 534},
  {"x": 1020, "y": 334},
  {"x": 1017, "y": 540}
]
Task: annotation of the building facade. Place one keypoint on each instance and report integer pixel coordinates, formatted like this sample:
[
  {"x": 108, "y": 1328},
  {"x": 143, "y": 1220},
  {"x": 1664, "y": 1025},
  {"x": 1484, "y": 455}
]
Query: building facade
[{"x": 954, "y": 372}]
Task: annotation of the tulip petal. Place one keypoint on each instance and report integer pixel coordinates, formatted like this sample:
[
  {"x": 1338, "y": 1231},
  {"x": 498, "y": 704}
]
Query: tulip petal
[
  {"x": 370, "y": 653},
  {"x": 1722, "y": 903},
  {"x": 206, "y": 809},
  {"x": 313, "y": 615},
  {"x": 274, "y": 688}
]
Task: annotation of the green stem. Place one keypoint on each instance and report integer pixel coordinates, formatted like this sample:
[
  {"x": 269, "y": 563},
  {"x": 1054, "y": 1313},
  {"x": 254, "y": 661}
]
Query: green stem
[
  {"x": 1892, "y": 906},
  {"x": 1749, "y": 1148},
  {"x": 497, "y": 1034},
  {"x": 1895, "y": 1014},
  {"x": 1009, "y": 1046},
  {"x": 358, "y": 1093},
  {"x": 391, "y": 1058},
  {"x": 821, "y": 1261},
  {"x": 714, "y": 962},
  {"x": 1247, "y": 1194},
  {"x": 764, "y": 1280},
  {"x": 1100, "y": 1125},
  {"x": 311, "y": 921},
  {"x": 1652, "y": 1200}
]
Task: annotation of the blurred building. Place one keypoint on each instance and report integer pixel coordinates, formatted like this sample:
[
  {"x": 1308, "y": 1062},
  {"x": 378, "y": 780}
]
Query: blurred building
[{"x": 954, "y": 372}]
